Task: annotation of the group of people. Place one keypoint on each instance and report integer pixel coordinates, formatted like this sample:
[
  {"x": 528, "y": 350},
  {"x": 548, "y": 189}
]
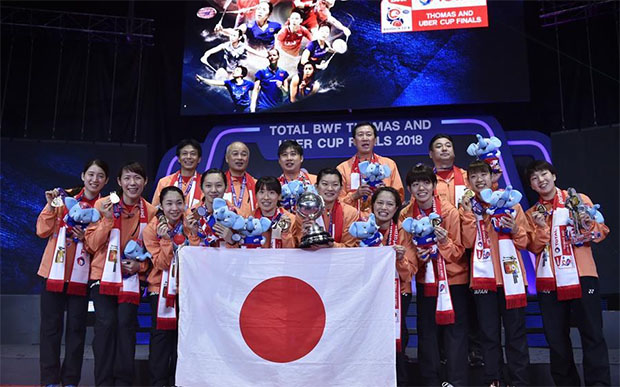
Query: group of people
[
  {"x": 468, "y": 260},
  {"x": 256, "y": 37}
]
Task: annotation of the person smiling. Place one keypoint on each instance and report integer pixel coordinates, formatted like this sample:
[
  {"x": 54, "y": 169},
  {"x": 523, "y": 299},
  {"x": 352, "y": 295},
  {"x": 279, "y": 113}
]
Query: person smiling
[
  {"x": 442, "y": 310},
  {"x": 497, "y": 280},
  {"x": 566, "y": 283},
  {"x": 117, "y": 296},
  {"x": 386, "y": 206},
  {"x": 282, "y": 231},
  {"x": 355, "y": 193},
  {"x": 211, "y": 233},
  {"x": 240, "y": 184},
  {"x": 163, "y": 236},
  {"x": 65, "y": 267},
  {"x": 337, "y": 216},
  {"x": 189, "y": 154},
  {"x": 290, "y": 158}
]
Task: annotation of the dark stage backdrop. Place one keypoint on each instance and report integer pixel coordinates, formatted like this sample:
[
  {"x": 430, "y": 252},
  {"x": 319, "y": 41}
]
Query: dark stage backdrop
[
  {"x": 29, "y": 168},
  {"x": 587, "y": 160}
]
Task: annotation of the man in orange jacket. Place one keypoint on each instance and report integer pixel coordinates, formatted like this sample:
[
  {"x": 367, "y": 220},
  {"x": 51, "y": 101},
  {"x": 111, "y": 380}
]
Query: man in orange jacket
[{"x": 354, "y": 192}]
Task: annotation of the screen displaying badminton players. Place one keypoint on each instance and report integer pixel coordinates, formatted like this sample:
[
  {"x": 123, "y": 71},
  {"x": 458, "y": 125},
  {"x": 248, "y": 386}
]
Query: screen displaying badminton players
[
  {"x": 356, "y": 65},
  {"x": 238, "y": 88},
  {"x": 270, "y": 85}
]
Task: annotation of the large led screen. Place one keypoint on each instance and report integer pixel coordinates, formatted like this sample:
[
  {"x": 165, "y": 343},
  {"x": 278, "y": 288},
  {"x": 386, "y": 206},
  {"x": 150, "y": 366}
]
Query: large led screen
[{"x": 333, "y": 55}]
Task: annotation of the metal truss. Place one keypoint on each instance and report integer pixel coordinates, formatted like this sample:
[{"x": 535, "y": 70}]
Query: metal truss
[
  {"x": 553, "y": 13},
  {"x": 102, "y": 28}
]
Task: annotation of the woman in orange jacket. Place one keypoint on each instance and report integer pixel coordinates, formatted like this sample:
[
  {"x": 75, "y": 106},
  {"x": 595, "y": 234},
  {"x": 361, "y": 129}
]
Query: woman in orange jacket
[
  {"x": 213, "y": 184},
  {"x": 498, "y": 279},
  {"x": 163, "y": 237},
  {"x": 115, "y": 288},
  {"x": 282, "y": 231},
  {"x": 337, "y": 216},
  {"x": 65, "y": 267}
]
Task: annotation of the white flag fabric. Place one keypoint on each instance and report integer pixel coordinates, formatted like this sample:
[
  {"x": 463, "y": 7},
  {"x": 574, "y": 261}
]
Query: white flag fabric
[{"x": 275, "y": 317}]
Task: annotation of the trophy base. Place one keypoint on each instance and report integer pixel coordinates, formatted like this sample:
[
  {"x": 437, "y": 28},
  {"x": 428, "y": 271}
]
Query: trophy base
[{"x": 322, "y": 238}]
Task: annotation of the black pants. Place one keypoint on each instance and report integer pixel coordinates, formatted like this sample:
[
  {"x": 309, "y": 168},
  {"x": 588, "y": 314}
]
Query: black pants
[
  {"x": 162, "y": 351},
  {"x": 53, "y": 307},
  {"x": 114, "y": 344},
  {"x": 491, "y": 307},
  {"x": 588, "y": 316},
  {"x": 454, "y": 338}
]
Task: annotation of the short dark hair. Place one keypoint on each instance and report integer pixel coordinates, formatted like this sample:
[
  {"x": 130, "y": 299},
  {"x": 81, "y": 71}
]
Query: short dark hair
[
  {"x": 211, "y": 171},
  {"x": 132, "y": 166},
  {"x": 364, "y": 123},
  {"x": 478, "y": 166},
  {"x": 298, "y": 11},
  {"x": 536, "y": 166},
  {"x": 421, "y": 172},
  {"x": 394, "y": 192},
  {"x": 244, "y": 70},
  {"x": 328, "y": 171},
  {"x": 268, "y": 182},
  {"x": 437, "y": 137},
  {"x": 290, "y": 144},
  {"x": 170, "y": 188},
  {"x": 189, "y": 141}
]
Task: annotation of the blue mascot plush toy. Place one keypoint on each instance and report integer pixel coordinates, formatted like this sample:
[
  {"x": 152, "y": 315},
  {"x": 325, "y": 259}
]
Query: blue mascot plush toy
[
  {"x": 423, "y": 232},
  {"x": 80, "y": 214},
  {"x": 368, "y": 232},
  {"x": 501, "y": 203},
  {"x": 228, "y": 218},
  {"x": 487, "y": 150}
]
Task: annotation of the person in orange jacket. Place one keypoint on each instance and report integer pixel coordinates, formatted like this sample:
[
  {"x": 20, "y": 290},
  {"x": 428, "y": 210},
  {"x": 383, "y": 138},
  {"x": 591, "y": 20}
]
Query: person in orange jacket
[
  {"x": 290, "y": 158},
  {"x": 210, "y": 232},
  {"x": 164, "y": 235},
  {"x": 240, "y": 184},
  {"x": 65, "y": 267},
  {"x": 442, "y": 310},
  {"x": 189, "y": 154},
  {"x": 566, "y": 281},
  {"x": 386, "y": 204},
  {"x": 497, "y": 279},
  {"x": 337, "y": 216},
  {"x": 115, "y": 288},
  {"x": 283, "y": 228},
  {"x": 355, "y": 193}
]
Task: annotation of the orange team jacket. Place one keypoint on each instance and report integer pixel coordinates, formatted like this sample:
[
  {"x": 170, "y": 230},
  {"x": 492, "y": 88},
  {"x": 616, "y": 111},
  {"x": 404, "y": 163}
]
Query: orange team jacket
[
  {"x": 288, "y": 237},
  {"x": 468, "y": 235},
  {"x": 457, "y": 265},
  {"x": 167, "y": 181},
  {"x": 445, "y": 187},
  {"x": 346, "y": 195},
  {"x": 538, "y": 237},
  {"x": 350, "y": 215},
  {"x": 161, "y": 250},
  {"x": 406, "y": 267},
  {"x": 248, "y": 202},
  {"x": 48, "y": 224},
  {"x": 98, "y": 236}
]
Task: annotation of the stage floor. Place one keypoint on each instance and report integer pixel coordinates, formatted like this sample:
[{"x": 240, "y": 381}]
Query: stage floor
[{"x": 19, "y": 365}]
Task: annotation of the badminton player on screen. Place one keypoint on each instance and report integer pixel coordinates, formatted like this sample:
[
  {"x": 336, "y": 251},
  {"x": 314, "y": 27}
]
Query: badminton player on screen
[{"x": 238, "y": 88}]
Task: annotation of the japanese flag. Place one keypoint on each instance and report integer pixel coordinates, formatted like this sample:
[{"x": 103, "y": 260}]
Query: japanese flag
[{"x": 275, "y": 317}]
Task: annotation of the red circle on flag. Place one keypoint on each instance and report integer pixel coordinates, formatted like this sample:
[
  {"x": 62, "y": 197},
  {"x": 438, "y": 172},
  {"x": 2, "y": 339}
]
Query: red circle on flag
[{"x": 282, "y": 319}]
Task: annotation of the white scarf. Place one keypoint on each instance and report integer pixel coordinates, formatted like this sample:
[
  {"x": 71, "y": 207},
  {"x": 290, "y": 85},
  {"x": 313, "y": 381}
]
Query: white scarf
[
  {"x": 166, "y": 302},
  {"x": 483, "y": 273},
  {"x": 566, "y": 272},
  {"x": 81, "y": 264},
  {"x": 112, "y": 282}
]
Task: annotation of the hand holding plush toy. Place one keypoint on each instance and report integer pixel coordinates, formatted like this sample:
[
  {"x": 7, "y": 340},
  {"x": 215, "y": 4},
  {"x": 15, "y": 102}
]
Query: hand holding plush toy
[
  {"x": 423, "y": 233},
  {"x": 487, "y": 150},
  {"x": 368, "y": 232},
  {"x": 227, "y": 218},
  {"x": 253, "y": 231},
  {"x": 501, "y": 203}
]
